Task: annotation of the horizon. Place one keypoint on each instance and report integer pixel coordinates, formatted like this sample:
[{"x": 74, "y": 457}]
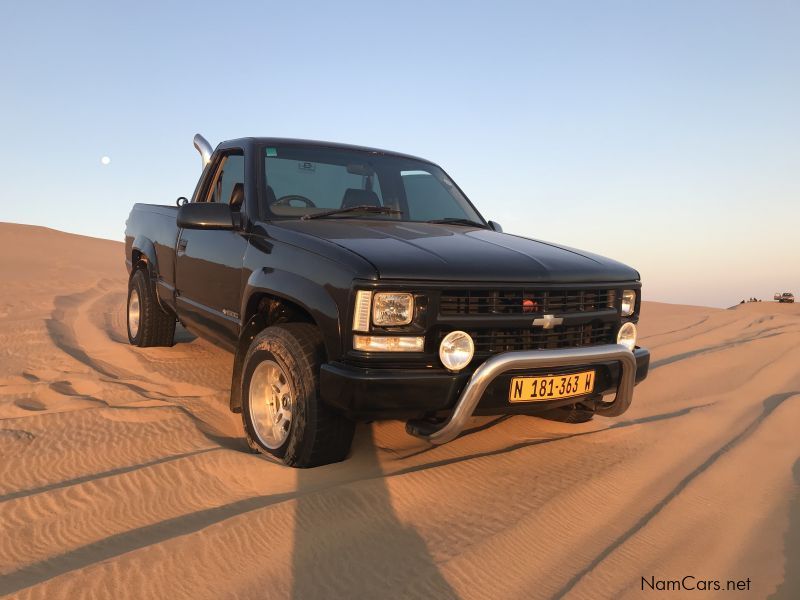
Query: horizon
[
  {"x": 642, "y": 133},
  {"x": 766, "y": 298}
]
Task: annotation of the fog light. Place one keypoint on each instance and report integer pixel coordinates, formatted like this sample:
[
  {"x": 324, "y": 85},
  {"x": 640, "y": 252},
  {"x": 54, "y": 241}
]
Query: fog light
[
  {"x": 388, "y": 343},
  {"x": 456, "y": 350},
  {"x": 627, "y": 336}
]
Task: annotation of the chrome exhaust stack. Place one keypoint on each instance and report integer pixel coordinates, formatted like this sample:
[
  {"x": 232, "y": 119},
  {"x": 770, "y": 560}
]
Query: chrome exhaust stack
[{"x": 204, "y": 148}]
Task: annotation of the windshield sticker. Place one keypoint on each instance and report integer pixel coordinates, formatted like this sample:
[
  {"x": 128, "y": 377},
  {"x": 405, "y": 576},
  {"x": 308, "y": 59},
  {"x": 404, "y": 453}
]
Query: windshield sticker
[
  {"x": 306, "y": 167},
  {"x": 272, "y": 152}
]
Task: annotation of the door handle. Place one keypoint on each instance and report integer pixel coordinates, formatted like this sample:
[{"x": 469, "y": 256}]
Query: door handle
[{"x": 182, "y": 247}]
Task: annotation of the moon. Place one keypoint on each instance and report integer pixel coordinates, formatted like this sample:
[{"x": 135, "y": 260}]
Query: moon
[{"x": 105, "y": 161}]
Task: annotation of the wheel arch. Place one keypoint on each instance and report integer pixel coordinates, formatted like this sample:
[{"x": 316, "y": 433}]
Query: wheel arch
[
  {"x": 263, "y": 306},
  {"x": 143, "y": 252}
]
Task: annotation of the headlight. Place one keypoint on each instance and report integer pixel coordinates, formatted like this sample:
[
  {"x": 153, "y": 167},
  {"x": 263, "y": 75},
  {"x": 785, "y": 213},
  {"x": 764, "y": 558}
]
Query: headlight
[
  {"x": 628, "y": 302},
  {"x": 627, "y": 336},
  {"x": 456, "y": 350},
  {"x": 392, "y": 308}
]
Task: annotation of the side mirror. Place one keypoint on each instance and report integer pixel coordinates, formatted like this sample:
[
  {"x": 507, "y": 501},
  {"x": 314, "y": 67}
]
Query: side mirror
[
  {"x": 205, "y": 215},
  {"x": 495, "y": 226}
]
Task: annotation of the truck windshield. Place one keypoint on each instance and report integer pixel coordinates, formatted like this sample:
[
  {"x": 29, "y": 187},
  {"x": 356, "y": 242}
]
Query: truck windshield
[{"x": 310, "y": 180}]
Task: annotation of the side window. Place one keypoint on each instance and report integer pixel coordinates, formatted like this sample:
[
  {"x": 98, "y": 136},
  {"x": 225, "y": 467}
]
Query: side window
[{"x": 228, "y": 183}]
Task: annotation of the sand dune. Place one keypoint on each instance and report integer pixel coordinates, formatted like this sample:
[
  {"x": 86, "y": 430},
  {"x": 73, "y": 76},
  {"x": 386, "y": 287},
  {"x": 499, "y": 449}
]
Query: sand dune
[{"x": 123, "y": 473}]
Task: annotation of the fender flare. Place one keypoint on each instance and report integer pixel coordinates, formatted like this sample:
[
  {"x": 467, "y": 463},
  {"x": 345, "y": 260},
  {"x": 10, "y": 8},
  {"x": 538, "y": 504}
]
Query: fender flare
[
  {"x": 308, "y": 295},
  {"x": 147, "y": 249}
]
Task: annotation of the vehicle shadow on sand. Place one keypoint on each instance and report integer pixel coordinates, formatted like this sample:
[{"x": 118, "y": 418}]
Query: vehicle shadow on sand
[
  {"x": 350, "y": 542},
  {"x": 790, "y": 587}
]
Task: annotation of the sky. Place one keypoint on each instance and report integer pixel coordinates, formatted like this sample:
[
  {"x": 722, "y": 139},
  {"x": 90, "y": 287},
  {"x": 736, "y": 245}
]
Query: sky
[{"x": 665, "y": 135}]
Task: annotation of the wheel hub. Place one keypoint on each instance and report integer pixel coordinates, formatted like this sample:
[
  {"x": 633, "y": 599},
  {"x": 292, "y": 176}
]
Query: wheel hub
[
  {"x": 134, "y": 312},
  {"x": 271, "y": 404}
]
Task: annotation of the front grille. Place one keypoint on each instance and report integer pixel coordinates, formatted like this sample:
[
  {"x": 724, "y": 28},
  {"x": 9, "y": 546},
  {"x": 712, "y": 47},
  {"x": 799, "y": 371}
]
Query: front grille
[
  {"x": 491, "y": 341},
  {"x": 527, "y": 301}
]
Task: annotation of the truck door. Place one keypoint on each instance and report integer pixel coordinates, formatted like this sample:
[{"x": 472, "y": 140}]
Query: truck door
[{"x": 209, "y": 262}]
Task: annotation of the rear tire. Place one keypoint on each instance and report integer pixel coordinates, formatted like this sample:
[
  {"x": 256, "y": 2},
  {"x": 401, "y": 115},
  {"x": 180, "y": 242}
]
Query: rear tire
[
  {"x": 282, "y": 413},
  {"x": 148, "y": 323}
]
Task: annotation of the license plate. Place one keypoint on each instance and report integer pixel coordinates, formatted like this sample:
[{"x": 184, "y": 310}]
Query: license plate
[{"x": 552, "y": 387}]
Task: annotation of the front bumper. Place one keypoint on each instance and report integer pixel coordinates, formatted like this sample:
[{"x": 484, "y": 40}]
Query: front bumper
[
  {"x": 382, "y": 393},
  {"x": 441, "y": 433}
]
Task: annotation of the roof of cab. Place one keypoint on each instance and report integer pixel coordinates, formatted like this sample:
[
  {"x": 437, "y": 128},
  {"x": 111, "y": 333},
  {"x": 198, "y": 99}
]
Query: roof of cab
[{"x": 266, "y": 141}]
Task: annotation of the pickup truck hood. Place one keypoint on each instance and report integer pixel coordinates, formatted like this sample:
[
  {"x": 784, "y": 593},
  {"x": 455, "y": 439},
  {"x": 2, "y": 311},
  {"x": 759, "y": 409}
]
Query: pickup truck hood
[{"x": 402, "y": 250}]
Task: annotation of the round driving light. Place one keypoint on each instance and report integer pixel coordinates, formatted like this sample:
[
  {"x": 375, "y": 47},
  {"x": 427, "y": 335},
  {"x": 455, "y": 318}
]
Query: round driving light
[
  {"x": 627, "y": 336},
  {"x": 456, "y": 350}
]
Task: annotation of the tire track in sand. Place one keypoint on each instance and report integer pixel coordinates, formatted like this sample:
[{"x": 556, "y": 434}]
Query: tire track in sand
[
  {"x": 72, "y": 329},
  {"x": 769, "y": 405}
]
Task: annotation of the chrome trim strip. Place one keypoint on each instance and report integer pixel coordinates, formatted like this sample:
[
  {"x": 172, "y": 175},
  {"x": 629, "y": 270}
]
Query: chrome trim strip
[
  {"x": 531, "y": 359},
  {"x": 207, "y": 309}
]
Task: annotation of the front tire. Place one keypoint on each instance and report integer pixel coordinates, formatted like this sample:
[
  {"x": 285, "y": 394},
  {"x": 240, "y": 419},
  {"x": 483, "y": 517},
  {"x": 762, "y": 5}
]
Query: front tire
[
  {"x": 282, "y": 413},
  {"x": 148, "y": 323}
]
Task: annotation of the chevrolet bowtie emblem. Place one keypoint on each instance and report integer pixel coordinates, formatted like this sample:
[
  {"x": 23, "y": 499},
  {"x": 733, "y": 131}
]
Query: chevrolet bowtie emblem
[{"x": 548, "y": 321}]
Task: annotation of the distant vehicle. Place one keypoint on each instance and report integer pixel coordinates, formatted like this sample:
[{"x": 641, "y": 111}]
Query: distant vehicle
[
  {"x": 784, "y": 297},
  {"x": 355, "y": 284}
]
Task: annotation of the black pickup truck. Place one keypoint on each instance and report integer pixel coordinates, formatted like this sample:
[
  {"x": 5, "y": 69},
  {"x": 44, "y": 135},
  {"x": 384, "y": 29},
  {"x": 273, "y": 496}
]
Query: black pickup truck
[{"x": 359, "y": 284}]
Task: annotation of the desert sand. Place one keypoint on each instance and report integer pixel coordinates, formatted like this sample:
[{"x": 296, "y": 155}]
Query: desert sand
[{"x": 123, "y": 473}]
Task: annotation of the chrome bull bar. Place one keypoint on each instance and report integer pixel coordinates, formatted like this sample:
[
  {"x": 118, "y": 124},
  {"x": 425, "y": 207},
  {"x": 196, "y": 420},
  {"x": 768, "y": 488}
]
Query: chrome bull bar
[{"x": 441, "y": 433}]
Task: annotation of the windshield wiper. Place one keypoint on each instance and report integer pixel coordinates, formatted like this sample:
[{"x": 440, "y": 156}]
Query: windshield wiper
[
  {"x": 384, "y": 210},
  {"x": 453, "y": 221}
]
